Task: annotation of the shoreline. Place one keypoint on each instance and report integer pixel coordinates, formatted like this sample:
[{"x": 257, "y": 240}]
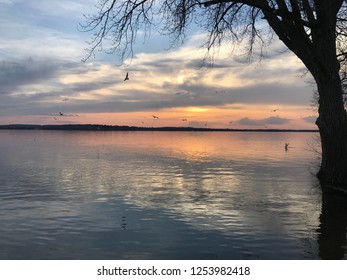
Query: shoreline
[{"x": 98, "y": 127}]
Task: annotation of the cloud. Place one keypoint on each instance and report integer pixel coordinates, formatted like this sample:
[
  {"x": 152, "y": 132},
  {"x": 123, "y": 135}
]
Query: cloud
[
  {"x": 310, "y": 119},
  {"x": 157, "y": 82},
  {"x": 262, "y": 122},
  {"x": 28, "y": 85},
  {"x": 276, "y": 120},
  {"x": 41, "y": 72},
  {"x": 43, "y": 29},
  {"x": 14, "y": 74},
  {"x": 6, "y": 2}
]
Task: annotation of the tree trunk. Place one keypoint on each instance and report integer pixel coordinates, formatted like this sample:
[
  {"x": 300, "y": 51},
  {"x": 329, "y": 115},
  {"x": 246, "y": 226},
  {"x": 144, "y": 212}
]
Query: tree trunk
[
  {"x": 317, "y": 50},
  {"x": 332, "y": 124},
  {"x": 332, "y": 121}
]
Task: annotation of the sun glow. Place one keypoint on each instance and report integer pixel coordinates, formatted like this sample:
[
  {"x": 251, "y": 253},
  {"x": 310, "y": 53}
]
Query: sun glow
[{"x": 197, "y": 110}]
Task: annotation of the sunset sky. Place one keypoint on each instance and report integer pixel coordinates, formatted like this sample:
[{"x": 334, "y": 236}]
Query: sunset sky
[{"x": 42, "y": 74}]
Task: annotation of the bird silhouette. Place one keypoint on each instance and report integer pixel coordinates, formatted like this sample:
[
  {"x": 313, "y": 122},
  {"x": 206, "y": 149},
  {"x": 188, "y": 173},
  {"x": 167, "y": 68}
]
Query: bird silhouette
[
  {"x": 61, "y": 114},
  {"x": 184, "y": 120},
  {"x": 274, "y": 110},
  {"x": 126, "y": 77},
  {"x": 155, "y": 117}
]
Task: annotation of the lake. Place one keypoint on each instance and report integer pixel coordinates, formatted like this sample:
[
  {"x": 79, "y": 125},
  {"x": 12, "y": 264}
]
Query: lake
[{"x": 166, "y": 195}]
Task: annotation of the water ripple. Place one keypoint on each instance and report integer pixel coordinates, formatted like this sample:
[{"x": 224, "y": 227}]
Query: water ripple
[{"x": 141, "y": 195}]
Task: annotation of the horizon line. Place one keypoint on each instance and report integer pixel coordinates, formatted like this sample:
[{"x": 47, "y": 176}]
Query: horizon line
[{"x": 104, "y": 127}]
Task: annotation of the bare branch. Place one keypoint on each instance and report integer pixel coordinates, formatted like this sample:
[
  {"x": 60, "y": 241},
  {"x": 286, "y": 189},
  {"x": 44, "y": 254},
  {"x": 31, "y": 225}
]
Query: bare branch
[{"x": 294, "y": 21}]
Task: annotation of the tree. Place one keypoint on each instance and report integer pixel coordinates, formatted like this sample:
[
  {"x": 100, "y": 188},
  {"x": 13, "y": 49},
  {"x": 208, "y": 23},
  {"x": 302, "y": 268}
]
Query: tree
[{"x": 314, "y": 30}]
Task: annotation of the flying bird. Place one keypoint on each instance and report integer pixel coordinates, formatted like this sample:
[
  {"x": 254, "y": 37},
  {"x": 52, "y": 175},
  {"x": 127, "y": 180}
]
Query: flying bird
[
  {"x": 274, "y": 110},
  {"x": 61, "y": 114},
  {"x": 126, "y": 77},
  {"x": 155, "y": 117},
  {"x": 184, "y": 120}
]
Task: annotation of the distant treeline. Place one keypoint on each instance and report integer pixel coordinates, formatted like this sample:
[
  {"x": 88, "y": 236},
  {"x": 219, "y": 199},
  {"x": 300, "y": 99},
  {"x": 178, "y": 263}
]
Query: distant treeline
[{"x": 97, "y": 127}]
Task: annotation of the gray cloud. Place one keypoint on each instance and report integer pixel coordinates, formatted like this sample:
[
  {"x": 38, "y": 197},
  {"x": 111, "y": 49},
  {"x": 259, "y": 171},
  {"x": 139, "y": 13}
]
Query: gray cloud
[
  {"x": 310, "y": 119},
  {"x": 29, "y": 85},
  {"x": 204, "y": 64},
  {"x": 193, "y": 91},
  {"x": 14, "y": 74},
  {"x": 170, "y": 65},
  {"x": 190, "y": 93},
  {"x": 162, "y": 63},
  {"x": 262, "y": 122},
  {"x": 47, "y": 32},
  {"x": 276, "y": 120}
]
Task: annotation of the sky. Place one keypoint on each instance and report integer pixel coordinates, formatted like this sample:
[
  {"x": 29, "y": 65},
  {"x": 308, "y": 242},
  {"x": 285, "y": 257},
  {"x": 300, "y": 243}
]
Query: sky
[{"x": 42, "y": 74}]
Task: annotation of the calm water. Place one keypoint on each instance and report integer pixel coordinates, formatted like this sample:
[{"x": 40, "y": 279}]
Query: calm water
[{"x": 165, "y": 195}]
